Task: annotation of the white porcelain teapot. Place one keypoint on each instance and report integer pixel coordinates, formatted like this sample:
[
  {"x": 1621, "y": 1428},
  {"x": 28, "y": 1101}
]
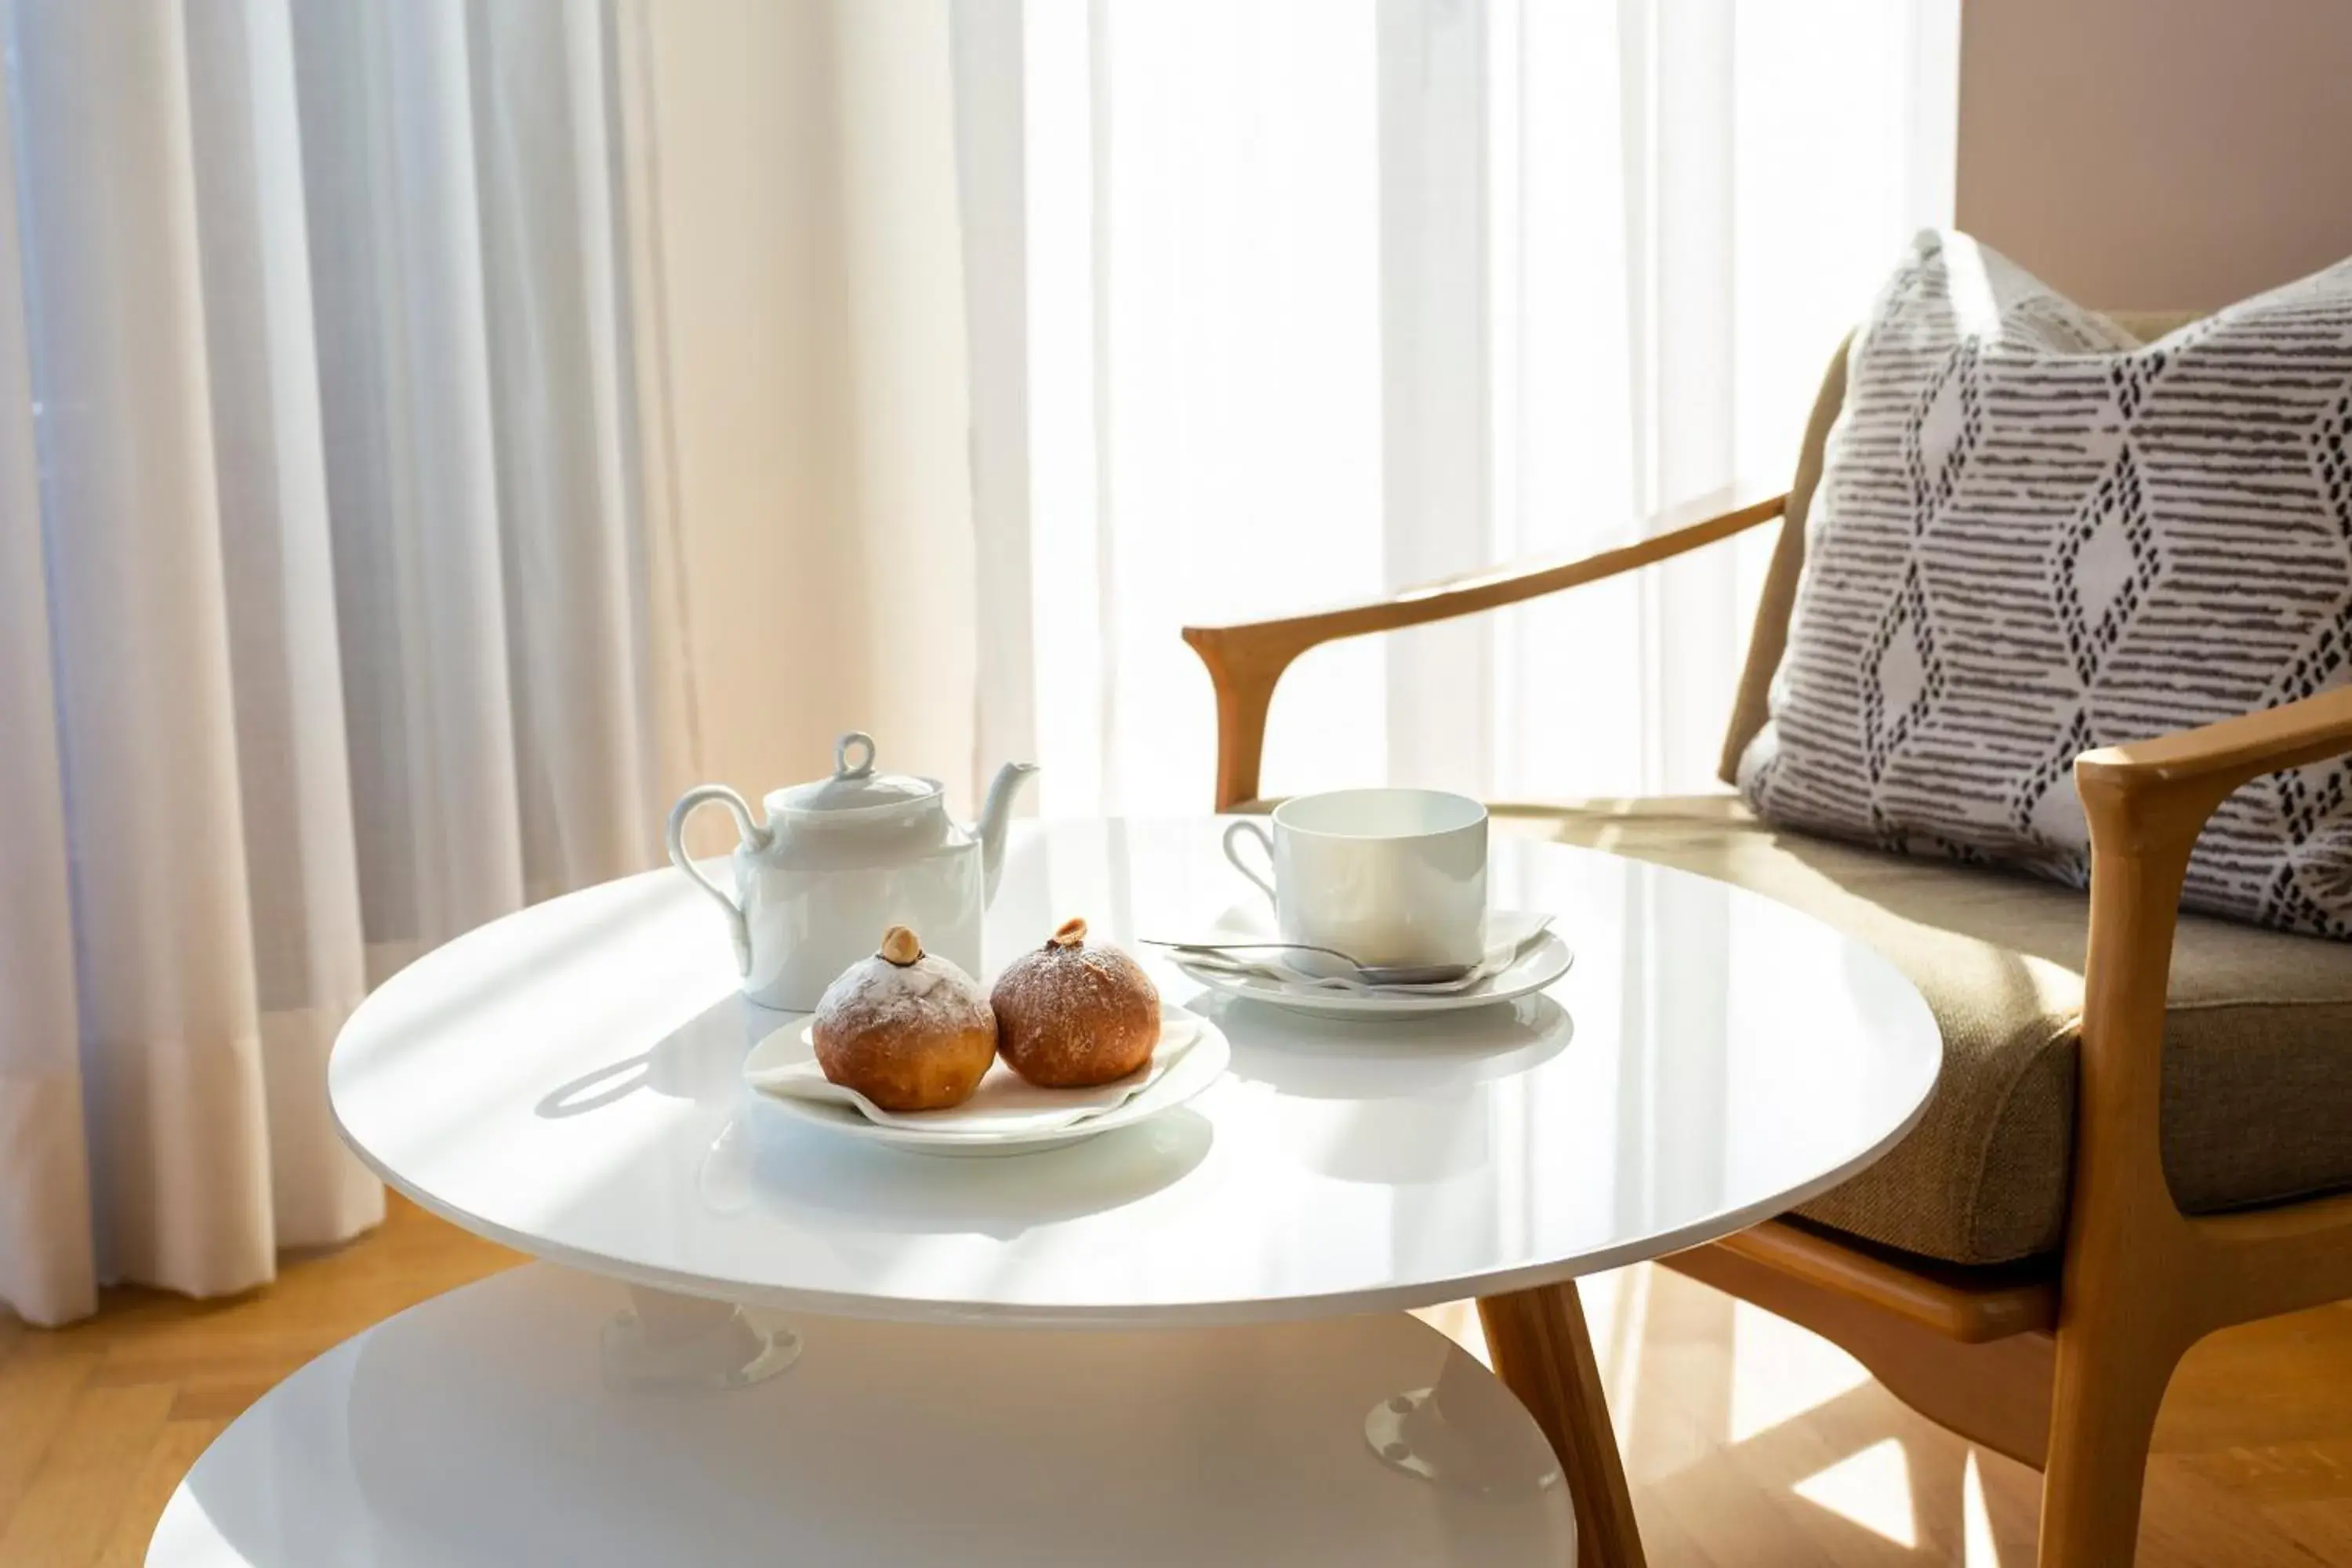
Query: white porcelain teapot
[{"x": 840, "y": 861}]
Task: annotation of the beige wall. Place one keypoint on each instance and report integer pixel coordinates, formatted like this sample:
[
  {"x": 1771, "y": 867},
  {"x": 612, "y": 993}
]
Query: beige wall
[
  {"x": 800, "y": 292},
  {"x": 2157, "y": 154}
]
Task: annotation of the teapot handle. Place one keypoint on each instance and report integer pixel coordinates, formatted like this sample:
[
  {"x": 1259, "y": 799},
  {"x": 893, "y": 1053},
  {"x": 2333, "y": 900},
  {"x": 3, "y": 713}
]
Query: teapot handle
[{"x": 757, "y": 837}]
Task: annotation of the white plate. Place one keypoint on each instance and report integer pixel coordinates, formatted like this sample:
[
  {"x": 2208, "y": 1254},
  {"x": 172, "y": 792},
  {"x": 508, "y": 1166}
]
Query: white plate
[
  {"x": 1202, "y": 1065},
  {"x": 1541, "y": 962}
]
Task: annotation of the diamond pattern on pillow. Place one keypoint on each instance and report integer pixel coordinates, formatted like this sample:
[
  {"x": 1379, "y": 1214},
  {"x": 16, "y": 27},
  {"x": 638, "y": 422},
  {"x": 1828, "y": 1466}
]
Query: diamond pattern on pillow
[{"x": 2033, "y": 536}]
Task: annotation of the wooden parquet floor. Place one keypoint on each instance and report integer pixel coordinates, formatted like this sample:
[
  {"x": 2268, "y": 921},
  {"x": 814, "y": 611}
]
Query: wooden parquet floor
[
  {"x": 98, "y": 1422},
  {"x": 1749, "y": 1442}
]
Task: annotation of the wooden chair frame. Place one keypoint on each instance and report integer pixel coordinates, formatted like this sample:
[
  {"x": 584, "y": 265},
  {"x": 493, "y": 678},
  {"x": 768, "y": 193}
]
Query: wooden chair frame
[{"x": 2063, "y": 1369}]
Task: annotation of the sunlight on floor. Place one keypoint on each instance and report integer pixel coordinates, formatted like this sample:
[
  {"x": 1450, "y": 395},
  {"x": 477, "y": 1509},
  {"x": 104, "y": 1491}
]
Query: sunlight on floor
[
  {"x": 1753, "y": 1441},
  {"x": 1873, "y": 1489},
  {"x": 1779, "y": 1371},
  {"x": 1977, "y": 1547},
  {"x": 1619, "y": 1314},
  {"x": 1766, "y": 1379}
]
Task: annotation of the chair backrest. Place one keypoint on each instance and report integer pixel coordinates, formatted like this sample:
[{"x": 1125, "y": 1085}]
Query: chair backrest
[{"x": 1750, "y": 704}]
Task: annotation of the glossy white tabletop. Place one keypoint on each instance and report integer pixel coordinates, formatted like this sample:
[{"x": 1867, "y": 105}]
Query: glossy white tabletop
[{"x": 565, "y": 1080}]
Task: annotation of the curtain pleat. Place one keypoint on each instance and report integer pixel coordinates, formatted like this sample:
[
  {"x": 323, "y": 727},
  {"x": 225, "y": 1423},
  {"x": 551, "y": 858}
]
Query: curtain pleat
[
  {"x": 554, "y": 304},
  {"x": 170, "y": 1027},
  {"x": 397, "y": 261},
  {"x": 47, "y": 1271},
  {"x": 1436, "y": 284},
  {"x": 989, "y": 48},
  {"x": 300, "y": 861}
]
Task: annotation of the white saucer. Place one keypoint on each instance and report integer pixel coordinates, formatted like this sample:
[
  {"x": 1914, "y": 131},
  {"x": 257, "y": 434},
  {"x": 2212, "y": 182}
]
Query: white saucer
[
  {"x": 1542, "y": 961},
  {"x": 1202, "y": 1065}
]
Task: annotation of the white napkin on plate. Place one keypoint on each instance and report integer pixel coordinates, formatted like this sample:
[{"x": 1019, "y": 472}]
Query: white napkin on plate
[
  {"x": 1003, "y": 1103},
  {"x": 1509, "y": 933}
]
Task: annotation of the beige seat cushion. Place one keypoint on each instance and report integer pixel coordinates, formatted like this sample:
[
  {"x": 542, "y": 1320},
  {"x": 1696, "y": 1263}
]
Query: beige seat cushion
[{"x": 2257, "y": 1057}]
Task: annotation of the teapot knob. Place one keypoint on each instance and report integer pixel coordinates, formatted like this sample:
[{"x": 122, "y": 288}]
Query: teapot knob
[{"x": 859, "y": 741}]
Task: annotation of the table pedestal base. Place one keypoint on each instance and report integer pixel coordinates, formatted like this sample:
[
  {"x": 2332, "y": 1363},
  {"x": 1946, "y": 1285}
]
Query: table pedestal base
[
  {"x": 662, "y": 1340},
  {"x": 1416, "y": 1432},
  {"x": 484, "y": 1427}
]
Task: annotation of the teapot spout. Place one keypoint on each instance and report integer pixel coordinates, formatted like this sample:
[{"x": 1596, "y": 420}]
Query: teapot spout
[{"x": 995, "y": 813}]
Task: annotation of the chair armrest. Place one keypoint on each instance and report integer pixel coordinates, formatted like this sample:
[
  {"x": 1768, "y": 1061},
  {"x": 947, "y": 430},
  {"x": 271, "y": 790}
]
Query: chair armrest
[
  {"x": 2174, "y": 783},
  {"x": 2146, "y": 804},
  {"x": 1246, "y": 661}
]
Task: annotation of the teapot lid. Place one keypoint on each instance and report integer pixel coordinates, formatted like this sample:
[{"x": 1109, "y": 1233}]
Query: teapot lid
[{"x": 855, "y": 785}]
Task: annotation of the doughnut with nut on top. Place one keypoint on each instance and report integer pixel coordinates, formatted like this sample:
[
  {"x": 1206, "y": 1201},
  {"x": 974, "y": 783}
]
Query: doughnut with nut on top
[
  {"x": 1071, "y": 1017},
  {"x": 906, "y": 1028}
]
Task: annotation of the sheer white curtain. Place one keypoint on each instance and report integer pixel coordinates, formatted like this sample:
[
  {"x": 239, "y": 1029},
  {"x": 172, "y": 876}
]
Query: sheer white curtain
[
  {"x": 321, "y": 621},
  {"x": 1277, "y": 306}
]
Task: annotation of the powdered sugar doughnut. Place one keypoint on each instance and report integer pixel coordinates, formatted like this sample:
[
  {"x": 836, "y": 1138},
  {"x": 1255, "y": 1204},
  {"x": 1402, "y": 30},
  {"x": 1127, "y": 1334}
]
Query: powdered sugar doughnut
[
  {"x": 906, "y": 1028},
  {"x": 1070, "y": 1017}
]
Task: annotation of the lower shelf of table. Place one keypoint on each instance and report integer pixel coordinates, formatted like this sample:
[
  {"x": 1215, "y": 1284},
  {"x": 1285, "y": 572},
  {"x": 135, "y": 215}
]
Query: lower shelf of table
[{"x": 493, "y": 1425}]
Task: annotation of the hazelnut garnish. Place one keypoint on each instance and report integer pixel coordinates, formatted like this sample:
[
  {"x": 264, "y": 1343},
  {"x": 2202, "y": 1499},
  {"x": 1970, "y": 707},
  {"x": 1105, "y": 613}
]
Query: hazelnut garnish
[
  {"x": 1071, "y": 932},
  {"x": 900, "y": 946}
]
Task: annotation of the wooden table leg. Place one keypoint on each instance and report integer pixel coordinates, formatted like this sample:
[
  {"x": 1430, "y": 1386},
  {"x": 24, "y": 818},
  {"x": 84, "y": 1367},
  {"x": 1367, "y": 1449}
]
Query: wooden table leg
[{"x": 1543, "y": 1352}]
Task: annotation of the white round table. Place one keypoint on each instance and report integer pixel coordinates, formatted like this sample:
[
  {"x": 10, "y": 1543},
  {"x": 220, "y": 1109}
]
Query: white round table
[{"x": 565, "y": 1080}]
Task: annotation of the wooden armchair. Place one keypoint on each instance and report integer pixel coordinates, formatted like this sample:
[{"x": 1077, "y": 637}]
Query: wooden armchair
[{"x": 2184, "y": 1044}]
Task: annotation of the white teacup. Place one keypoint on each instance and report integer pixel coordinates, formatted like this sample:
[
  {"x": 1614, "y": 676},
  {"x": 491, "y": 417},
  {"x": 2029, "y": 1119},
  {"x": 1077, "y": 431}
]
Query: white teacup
[{"x": 1385, "y": 876}]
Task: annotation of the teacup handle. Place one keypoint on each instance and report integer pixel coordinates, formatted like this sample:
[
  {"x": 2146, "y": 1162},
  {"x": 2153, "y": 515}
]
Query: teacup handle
[
  {"x": 757, "y": 837},
  {"x": 1252, "y": 830}
]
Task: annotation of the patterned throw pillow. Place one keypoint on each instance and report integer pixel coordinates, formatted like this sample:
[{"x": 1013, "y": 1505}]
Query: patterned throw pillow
[{"x": 2034, "y": 536}]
